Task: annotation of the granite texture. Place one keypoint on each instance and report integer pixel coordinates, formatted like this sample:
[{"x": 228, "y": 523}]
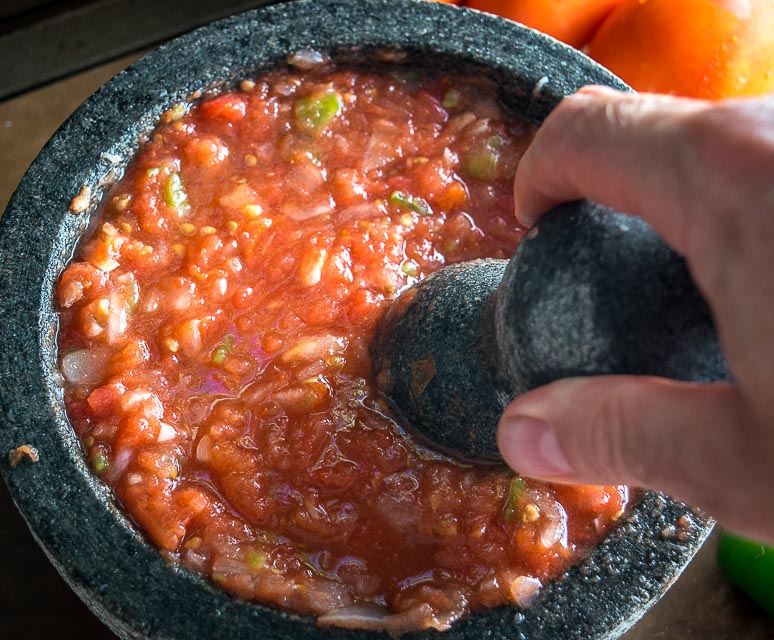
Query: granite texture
[
  {"x": 437, "y": 361},
  {"x": 591, "y": 291},
  {"x": 132, "y": 588}
]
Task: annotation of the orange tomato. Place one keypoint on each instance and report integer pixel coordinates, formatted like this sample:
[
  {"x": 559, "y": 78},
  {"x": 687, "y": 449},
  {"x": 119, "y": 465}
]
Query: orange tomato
[
  {"x": 572, "y": 21},
  {"x": 698, "y": 48}
]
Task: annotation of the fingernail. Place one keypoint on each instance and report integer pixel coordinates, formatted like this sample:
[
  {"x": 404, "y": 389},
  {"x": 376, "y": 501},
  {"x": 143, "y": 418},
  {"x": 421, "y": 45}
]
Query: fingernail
[
  {"x": 530, "y": 447},
  {"x": 525, "y": 220}
]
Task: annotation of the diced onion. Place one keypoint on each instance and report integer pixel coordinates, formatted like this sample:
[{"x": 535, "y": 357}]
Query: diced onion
[
  {"x": 287, "y": 87},
  {"x": 314, "y": 348},
  {"x": 419, "y": 617},
  {"x": 117, "y": 320},
  {"x": 166, "y": 432},
  {"x": 553, "y": 524},
  {"x": 478, "y": 128},
  {"x": 300, "y": 210},
  {"x": 311, "y": 267},
  {"x": 119, "y": 464},
  {"x": 195, "y": 560},
  {"x": 190, "y": 336},
  {"x": 180, "y": 295},
  {"x": 256, "y": 392},
  {"x": 458, "y": 123},
  {"x": 204, "y": 449},
  {"x": 383, "y": 148},
  {"x": 231, "y": 566},
  {"x": 290, "y": 397},
  {"x": 85, "y": 366},
  {"x": 450, "y": 159},
  {"x": 524, "y": 589},
  {"x": 307, "y": 59},
  {"x": 142, "y": 401},
  {"x": 326, "y": 595},
  {"x": 360, "y": 212},
  {"x": 312, "y": 370},
  {"x": 305, "y": 177},
  {"x": 370, "y": 617}
]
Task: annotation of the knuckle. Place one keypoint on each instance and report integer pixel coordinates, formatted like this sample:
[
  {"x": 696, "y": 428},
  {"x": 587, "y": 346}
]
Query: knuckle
[
  {"x": 574, "y": 121},
  {"x": 609, "y": 451}
]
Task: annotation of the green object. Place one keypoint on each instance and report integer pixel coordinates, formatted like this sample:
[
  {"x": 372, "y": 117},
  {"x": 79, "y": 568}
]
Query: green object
[
  {"x": 407, "y": 201},
  {"x": 314, "y": 112},
  {"x": 174, "y": 193},
  {"x": 512, "y": 503},
  {"x": 749, "y": 566},
  {"x": 451, "y": 99},
  {"x": 256, "y": 560},
  {"x": 409, "y": 268},
  {"x": 483, "y": 162},
  {"x": 100, "y": 462},
  {"x": 226, "y": 347}
]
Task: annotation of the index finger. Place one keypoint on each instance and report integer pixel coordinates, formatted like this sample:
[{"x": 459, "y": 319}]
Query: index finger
[{"x": 625, "y": 150}]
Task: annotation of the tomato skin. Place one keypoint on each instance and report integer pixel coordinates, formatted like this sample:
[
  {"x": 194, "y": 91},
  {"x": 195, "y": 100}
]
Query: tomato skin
[
  {"x": 230, "y": 108},
  {"x": 696, "y": 48},
  {"x": 571, "y": 21}
]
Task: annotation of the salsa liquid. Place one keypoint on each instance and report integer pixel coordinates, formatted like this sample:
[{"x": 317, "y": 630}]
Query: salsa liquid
[{"x": 215, "y": 332}]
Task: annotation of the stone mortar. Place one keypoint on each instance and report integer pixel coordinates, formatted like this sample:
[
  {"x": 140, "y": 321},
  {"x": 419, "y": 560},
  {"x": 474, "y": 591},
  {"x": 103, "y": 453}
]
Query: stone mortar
[{"x": 73, "y": 516}]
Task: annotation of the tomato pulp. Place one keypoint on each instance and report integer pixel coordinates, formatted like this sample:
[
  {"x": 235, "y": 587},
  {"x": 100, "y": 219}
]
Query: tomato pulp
[{"x": 215, "y": 331}]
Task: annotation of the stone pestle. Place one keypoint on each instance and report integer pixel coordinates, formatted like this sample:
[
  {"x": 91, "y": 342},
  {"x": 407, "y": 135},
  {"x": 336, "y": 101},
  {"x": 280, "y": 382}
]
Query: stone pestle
[{"x": 589, "y": 291}]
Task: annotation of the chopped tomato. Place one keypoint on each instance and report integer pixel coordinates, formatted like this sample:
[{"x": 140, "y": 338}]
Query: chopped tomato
[{"x": 229, "y": 107}]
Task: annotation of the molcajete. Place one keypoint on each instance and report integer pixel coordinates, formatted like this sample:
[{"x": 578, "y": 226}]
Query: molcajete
[{"x": 133, "y": 589}]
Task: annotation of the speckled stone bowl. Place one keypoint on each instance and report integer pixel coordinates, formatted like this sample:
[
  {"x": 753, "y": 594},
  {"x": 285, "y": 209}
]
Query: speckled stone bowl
[{"x": 126, "y": 582}]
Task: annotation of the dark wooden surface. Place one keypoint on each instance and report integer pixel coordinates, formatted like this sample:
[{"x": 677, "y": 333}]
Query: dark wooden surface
[
  {"x": 35, "y": 604},
  {"x": 44, "y": 41}
]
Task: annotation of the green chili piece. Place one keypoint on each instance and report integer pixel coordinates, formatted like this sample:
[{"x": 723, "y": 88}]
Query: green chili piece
[
  {"x": 483, "y": 162},
  {"x": 409, "y": 268},
  {"x": 314, "y": 112},
  {"x": 451, "y": 99},
  {"x": 174, "y": 192},
  {"x": 256, "y": 559},
  {"x": 512, "y": 511},
  {"x": 225, "y": 347},
  {"x": 407, "y": 201},
  {"x": 100, "y": 462}
]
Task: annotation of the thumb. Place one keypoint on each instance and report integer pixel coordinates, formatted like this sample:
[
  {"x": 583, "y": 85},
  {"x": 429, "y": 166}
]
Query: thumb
[{"x": 692, "y": 441}]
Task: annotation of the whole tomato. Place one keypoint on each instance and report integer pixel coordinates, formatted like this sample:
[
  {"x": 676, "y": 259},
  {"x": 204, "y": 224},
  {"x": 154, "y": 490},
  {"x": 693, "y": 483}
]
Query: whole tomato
[
  {"x": 698, "y": 48},
  {"x": 572, "y": 21}
]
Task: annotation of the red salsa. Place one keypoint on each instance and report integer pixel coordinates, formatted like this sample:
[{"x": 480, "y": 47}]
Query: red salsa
[{"x": 214, "y": 340}]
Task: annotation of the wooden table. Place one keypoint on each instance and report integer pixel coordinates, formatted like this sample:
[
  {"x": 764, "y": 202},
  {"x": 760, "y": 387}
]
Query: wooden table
[{"x": 35, "y": 604}]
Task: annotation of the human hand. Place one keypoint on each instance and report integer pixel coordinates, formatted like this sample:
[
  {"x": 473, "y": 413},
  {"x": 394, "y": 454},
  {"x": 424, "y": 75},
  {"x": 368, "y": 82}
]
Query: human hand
[{"x": 702, "y": 175}]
